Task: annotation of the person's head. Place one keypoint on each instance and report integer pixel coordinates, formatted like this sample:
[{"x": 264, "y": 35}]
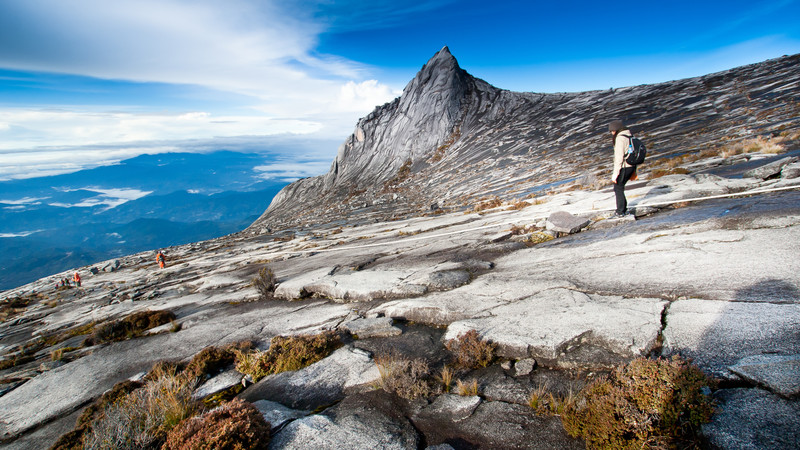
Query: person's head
[{"x": 615, "y": 126}]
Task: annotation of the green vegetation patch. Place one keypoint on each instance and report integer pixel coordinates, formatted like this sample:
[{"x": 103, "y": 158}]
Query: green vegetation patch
[
  {"x": 287, "y": 353},
  {"x": 130, "y": 327},
  {"x": 644, "y": 404}
]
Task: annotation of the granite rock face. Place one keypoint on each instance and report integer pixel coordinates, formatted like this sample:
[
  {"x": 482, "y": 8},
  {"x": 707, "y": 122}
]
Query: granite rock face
[{"x": 452, "y": 140}]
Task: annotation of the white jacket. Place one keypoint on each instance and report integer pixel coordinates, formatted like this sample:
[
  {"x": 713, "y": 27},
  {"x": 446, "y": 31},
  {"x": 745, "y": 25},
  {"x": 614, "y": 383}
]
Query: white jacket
[{"x": 621, "y": 143}]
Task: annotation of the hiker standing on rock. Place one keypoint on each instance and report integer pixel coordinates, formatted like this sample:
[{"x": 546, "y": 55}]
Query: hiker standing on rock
[
  {"x": 77, "y": 279},
  {"x": 623, "y": 172},
  {"x": 162, "y": 260}
]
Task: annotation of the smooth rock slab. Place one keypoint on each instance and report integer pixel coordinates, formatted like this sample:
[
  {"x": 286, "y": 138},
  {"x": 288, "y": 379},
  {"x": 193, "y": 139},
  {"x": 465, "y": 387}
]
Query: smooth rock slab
[
  {"x": 717, "y": 334},
  {"x": 374, "y": 327},
  {"x": 219, "y": 383},
  {"x": 564, "y": 222},
  {"x": 780, "y": 374},
  {"x": 753, "y": 419},
  {"x": 371, "y": 420},
  {"x": 277, "y": 414},
  {"x": 319, "y": 384},
  {"x": 556, "y": 322}
]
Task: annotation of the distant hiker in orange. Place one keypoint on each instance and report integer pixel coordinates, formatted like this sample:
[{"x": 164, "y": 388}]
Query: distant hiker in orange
[
  {"x": 77, "y": 279},
  {"x": 623, "y": 172},
  {"x": 162, "y": 260}
]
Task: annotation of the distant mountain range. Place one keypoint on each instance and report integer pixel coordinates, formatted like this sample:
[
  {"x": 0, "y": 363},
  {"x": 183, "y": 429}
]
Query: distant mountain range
[{"x": 51, "y": 224}]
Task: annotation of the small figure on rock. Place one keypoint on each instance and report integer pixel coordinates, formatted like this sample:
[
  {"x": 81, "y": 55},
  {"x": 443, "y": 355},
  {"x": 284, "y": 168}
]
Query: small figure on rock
[
  {"x": 623, "y": 171},
  {"x": 162, "y": 260},
  {"x": 77, "y": 279}
]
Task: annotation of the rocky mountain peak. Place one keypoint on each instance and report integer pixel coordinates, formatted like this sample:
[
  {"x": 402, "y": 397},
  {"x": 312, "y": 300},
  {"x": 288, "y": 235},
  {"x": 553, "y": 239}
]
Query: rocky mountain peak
[{"x": 407, "y": 129}]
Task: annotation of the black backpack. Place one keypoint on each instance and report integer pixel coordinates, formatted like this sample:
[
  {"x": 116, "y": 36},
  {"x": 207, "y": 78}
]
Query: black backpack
[{"x": 636, "y": 151}]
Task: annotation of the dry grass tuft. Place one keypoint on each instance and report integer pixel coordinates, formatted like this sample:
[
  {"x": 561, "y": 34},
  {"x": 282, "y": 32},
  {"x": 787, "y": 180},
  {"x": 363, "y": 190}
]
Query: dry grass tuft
[
  {"x": 753, "y": 145},
  {"x": 488, "y": 204},
  {"x": 470, "y": 351},
  {"x": 467, "y": 389},
  {"x": 446, "y": 377},
  {"x": 143, "y": 417}
]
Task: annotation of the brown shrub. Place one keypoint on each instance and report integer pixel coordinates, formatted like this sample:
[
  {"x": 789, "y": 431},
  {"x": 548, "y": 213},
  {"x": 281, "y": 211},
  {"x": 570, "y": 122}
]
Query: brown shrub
[
  {"x": 470, "y": 351},
  {"x": 407, "y": 378},
  {"x": 488, "y": 204},
  {"x": 646, "y": 403},
  {"x": 266, "y": 283},
  {"x": 287, "y": 353},
  {"x": 211, "y": 360},
  {"x": 130, "y": 327},
  {"x": 235, "y": 425}
]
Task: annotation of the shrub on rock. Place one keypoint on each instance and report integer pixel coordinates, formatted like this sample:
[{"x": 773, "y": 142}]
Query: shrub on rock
[
  {"x": 143, "y": 417},
  {"x": 470, "y": 351},
  {"x": 130, "y": 327},
  {"x": 405, "y": 377},
  {"x": 235, "y": 425},
  {"x": 644, "y": 404},
  {"x": 287, "y": 353},
  {"x": 266, "y": 283},
  {"x": 211, "y": 360}
]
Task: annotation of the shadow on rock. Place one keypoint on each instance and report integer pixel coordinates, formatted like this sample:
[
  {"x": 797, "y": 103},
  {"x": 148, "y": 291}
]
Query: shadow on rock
[{"x": 770, "y": 290}]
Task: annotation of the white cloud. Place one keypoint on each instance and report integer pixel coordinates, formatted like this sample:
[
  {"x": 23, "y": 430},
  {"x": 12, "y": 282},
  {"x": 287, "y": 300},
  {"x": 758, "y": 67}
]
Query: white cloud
[
  {"x": 36, "y": 127},
  {"x": 365, "y": 95},
  {"x": 258, "y": 48},
  {"x": 108, "y": 197},
  {"x": 25, "y": 201},
  {"x": 291, "y": 171}
]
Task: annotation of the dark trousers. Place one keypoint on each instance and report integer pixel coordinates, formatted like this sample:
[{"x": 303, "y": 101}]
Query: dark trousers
[{"x": 619, "y": 188}]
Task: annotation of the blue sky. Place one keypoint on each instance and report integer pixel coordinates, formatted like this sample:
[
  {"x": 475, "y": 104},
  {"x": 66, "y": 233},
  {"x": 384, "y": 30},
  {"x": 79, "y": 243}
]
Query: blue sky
[{"x": 90, "y": 82}]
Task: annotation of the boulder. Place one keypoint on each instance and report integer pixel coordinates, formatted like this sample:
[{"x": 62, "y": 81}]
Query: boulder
[
  {"x": 448, "y": 279},
  {"x": 524, "y": 366},
  {"x": 791, "y": 170},
  {"x": 753, "y": 419},
  {"x": 780, "y": 374},
  {"x": 375, "y": 327},
  {"x": 564, "y": 222},
  {"x": 322, "y": 383},
  {"x": 769, "y": 170},
  {"x": 454, "y": 407}
]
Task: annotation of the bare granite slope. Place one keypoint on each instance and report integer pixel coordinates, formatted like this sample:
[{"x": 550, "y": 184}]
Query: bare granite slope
[{"x": 451, "y": 139}]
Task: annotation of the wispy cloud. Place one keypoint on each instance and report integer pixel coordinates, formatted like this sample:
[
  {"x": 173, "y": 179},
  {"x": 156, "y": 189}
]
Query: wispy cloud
[{"x": 261, "y": 51}]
